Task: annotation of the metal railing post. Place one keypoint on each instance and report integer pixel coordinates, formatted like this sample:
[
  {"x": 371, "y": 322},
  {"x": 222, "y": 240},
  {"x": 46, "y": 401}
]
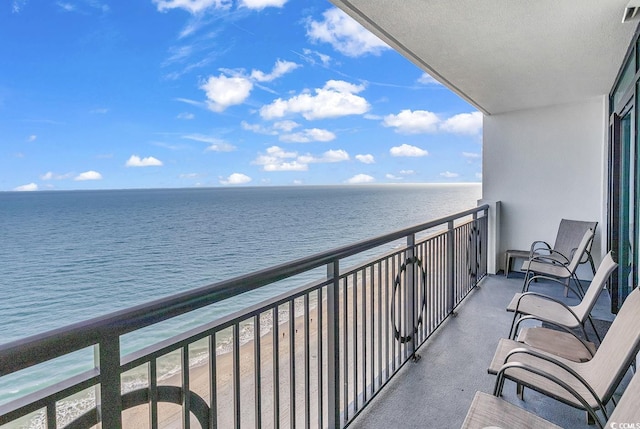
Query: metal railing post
[
  {"x": 474, "y": 249},
  {"x": 108, "y": 399},
  {"x": 450, "y": 267},
  {"x": 333, "y": 355},
  {"x": 411, "y": 294}
]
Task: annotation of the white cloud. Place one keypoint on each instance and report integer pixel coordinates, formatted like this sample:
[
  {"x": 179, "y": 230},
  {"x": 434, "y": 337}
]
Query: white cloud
[
  {"x": 472, "y": 155},
  {"x": 189, "y": 176},
  {"x": 49, "y": 175},
  {"x": 449, "y": 175},
  {"x": 261, "y": 4},
  {"x": 192, "y": 6},
  {"x": 463, "y": 123},
  {"x": 392, "y": 177},
  {"x": 366, "y": 159},
  {"x": 100, "y": 111},
  {"x": 277, "y": 159},
  {"x": 283, "y": 130},
  {"x": 235, "y": 87},
  {"x": 279, "y": 69},
  {"x": 407, "y": 172},
  {"x": 220, "y": 146},
  {"x": 136, "y": 161},
  {"x": 308, "y": 135},
  {"x": 344, "y": 34},
  {"x": 88, "y": 175},
  {"x": 479, "y": 176},
  {"x": 286, "y": 126},
  {"x": 28, "y": 187},
  {"x": 215, "y": 144},
  {"x": 17, "y": 5},
  {"x": 224, "y": 91},
  {"x": 286, "y": 166},
  {"x": 192, "y": 102},
  {"x": 427, "y": 79},
  {"x": 407, "y": 150},
  {"x": 236, "y": 179},
  {"x": 329, "y": 156},
  {"x": 310, "y": 57},
  {"x": 336, "y": 98},
  {"x": 257, "y": 128},
  {"x": 423, "y": 121},
  {"x": 412, "y": 122},
  {"x": 32, "y": 138},
  {"x": 360, "y": 178},
  {"x": 186, "y": 115}
]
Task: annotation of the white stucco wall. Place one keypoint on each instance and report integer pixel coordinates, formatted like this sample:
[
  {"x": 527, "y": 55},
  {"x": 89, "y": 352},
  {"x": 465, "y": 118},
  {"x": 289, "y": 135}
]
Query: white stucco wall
[{"x": 544, "y": 165}]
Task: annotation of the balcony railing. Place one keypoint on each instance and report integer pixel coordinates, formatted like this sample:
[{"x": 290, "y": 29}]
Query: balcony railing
[{"x": 314, "y": 356}]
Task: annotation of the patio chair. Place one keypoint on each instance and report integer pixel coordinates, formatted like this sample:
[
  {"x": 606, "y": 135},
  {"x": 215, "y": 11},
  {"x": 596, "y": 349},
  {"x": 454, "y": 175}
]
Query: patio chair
[
  {"x": 584, "y": 385},
  {"x": 569, "y": 234},
  {"x": 490, "y": 411},
  {"x": 541, "y": 266},
  {"x": 532, "y": 305}
]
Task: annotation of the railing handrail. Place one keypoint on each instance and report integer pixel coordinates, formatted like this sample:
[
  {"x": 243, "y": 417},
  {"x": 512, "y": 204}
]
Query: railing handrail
[{"x": 22, "y": 353}]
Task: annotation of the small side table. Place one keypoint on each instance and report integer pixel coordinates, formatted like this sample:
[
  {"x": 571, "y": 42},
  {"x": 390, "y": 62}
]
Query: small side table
[{"x": 513, "y": 254}]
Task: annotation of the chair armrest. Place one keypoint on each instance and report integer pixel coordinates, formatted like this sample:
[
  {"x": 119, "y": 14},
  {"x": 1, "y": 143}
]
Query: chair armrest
[
  {"x": 497, "y": 390},
  {"x": 562, "y": 258},
  {"x": 562, "y": 365},
  {"x": 553, "y": 257},
  {"x": 536, "y": 245}
]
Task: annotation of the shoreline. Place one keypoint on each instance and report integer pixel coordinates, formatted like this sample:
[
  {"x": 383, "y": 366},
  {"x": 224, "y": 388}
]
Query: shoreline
[{"x": 170, "y": 415}]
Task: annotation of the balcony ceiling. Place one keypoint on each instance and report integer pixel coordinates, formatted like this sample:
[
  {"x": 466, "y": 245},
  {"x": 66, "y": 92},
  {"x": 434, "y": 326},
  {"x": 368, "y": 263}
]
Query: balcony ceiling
[{"x": 505, "y": 55}]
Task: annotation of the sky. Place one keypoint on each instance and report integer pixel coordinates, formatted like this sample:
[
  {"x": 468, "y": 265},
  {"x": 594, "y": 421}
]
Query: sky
[{"x": 98, "y": 94}]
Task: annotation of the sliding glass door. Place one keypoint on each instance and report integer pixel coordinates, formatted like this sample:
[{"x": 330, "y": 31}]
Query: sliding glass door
[
  {"x": 627, "y": 213},
  {"x": 624, "y": 207}
]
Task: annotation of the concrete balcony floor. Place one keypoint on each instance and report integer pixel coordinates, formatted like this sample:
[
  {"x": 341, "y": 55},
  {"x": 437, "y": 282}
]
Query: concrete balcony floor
[{"x": 436, "y": 391}]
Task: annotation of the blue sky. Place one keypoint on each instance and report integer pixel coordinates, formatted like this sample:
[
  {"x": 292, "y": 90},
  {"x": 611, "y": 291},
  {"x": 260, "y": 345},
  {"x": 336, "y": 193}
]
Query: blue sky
[{"x": 98, "y": 94}]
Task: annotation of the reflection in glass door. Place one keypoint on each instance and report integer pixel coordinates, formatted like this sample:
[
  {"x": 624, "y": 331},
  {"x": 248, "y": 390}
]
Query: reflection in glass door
[{"x": 627, "y": 242}]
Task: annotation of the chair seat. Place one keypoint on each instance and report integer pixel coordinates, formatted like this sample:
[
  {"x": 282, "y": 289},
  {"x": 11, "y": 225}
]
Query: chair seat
[
  {"x": 558, "y": 343},
  {"x": 547, "y": 269},
  {"x": 544, "y": 309},
  {"x": 488, "y": 411},
  {"x": 539, "y": 383}
]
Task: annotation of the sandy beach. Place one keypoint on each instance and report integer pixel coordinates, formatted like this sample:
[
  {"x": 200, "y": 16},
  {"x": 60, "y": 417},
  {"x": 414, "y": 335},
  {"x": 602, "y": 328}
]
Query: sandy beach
[
  {"x": 170, "y": 415},
  {"x": 380, "y": 343}
]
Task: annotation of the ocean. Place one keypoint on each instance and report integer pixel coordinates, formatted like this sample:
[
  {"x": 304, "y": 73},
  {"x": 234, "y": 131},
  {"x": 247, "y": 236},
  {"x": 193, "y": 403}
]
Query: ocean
[{"x": 68, "y": 256}]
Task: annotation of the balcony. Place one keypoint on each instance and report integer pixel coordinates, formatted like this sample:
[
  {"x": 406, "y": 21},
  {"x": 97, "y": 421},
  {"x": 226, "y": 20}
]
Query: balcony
[
  {"x": 404, "y": 336},
  {"x": 436, "y": 391}
]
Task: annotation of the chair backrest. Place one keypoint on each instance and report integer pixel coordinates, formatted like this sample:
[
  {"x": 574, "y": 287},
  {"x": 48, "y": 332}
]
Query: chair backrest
[
  {"x": 628, "y": 409},
  {"x": 618, "y": 349},
  {"x": 599, "y": 281},
  {"x": 581, "y": 250},
  {"x": 570, "y": 232}
]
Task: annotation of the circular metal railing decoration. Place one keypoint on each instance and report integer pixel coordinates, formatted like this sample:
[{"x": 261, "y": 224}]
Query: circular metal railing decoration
[
  {"x": 423, "y": 305},
  {"x": 474, "y": 251}
]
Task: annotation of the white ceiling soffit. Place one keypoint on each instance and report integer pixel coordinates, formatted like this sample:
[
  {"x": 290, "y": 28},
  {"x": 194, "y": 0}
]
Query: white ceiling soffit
[{"x": 506, "y": 55}]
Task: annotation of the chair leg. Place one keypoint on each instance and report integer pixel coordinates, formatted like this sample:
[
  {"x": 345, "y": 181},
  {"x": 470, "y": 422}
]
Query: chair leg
[
  {"x": 520, "y": 391},
  {"x": 593, "y": 266},
  {"x": 594, "y": 329},
  {"x": 512, "y": 333},
  {"x": 525, "y": 286},
  {"x": 507, "y": 264}
]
